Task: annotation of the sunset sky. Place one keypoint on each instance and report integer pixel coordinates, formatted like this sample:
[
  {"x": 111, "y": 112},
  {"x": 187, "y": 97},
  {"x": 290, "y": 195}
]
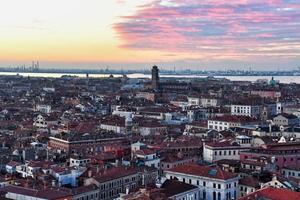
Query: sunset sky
[{"x": 131, "y": 34}]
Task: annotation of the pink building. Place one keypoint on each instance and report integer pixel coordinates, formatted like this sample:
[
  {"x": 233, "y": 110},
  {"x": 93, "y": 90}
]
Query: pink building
[
  {"x": 267, "y": 93},
  {"x": 282, "y": 154}
]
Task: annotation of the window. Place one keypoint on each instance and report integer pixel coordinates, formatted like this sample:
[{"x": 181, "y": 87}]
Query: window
[
  {"x": 214, "y": 195},
  {"x": 214, "y": 185},
  {"x": 204, "y": 183},
  {"x": 219, "y": 186}
]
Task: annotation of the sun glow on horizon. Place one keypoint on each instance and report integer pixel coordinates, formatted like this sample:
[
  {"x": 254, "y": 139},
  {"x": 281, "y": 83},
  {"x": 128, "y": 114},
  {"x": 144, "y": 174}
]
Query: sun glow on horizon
[{"x": 60, "y": 30}]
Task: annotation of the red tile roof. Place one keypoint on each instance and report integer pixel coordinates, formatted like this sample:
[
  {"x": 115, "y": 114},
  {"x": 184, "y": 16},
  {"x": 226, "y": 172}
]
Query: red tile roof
[
  {"x": 223, "y": 143},
  {"x": 272, "y": 193},
  {"x": 234, "y": 118},
  {"x": 145, "y": 152},
  {"x": 114, "y": 173},
  {"x": 50, "y": 194},
  {"x": 204, "y": 171},
  {"x": 250, "y": 181}
]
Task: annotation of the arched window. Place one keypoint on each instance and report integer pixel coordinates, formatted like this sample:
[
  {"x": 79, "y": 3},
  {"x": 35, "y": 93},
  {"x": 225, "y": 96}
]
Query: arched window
[
  {"x": 219, "y": 196},
  {"x": 214, "y": 196}
]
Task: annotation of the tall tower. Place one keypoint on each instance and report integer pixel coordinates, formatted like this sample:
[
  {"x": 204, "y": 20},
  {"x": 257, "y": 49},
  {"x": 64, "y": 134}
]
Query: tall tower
[{"x": 155, "y": 77}]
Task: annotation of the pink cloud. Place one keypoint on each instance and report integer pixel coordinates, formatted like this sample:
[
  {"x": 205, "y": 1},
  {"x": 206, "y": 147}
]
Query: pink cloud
[{"x": 211, "y": 27}]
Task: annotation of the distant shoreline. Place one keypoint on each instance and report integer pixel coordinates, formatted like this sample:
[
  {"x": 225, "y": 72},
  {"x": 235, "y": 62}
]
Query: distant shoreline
[{"x": 119, "y": 73}]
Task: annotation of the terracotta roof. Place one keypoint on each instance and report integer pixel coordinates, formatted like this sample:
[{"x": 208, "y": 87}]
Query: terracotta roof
[
  {"x": 114, "y": 173},
  {"x": 50, "y": 194},
  {"x": 113, "y": 120},
  {"x": 204, "y": 171},
  {"x": 272, "y": 193},
  {"x": 145, "y": 152},
  {"x": 174, "y": 187},
  {"x": 293, "y": 167},
  {"x": 151, "y": 194},
  {"x": 83, "y": 189},
  {"x": 223, "y": 143},
  {"x": 283, "y": 146},
  {"x": 234, "y": 118},
  {"x": 288, "y": 116},
  {"x": 255, "y": 162},
  {"x": 13, "y": 163},
  {"x": 250, "y": 181}
]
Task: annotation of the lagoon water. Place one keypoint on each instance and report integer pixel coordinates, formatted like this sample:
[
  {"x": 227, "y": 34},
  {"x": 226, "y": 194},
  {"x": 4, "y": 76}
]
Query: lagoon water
[{"x": 281, "y": 79}]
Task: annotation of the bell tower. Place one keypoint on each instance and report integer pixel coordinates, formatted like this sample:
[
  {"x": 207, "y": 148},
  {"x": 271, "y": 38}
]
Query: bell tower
[{"x": 155, "y": 77}]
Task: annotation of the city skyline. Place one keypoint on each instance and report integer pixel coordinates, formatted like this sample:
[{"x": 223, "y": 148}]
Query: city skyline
[{"x": 137, "y": 33}]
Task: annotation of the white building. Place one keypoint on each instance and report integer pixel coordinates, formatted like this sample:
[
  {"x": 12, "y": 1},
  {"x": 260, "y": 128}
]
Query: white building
[
  {"x": 49, "y": 89},
  {"x": 223, "y": 149},
  {"x": 137, "y": 146},
  {"x": 40, "y": 122},
  {"x": 43, "y": 108},
  {"x": 291, "y": 171},
  {"x": 67, "y": 176},
  {"x": 209, "y": 102},
  {"x": 203, "y": 101},
  {"x": 225, "y": 122},
  {"x": 246, "y": 110},
  {"x": 151, "y": 129},
  {"x": 286, "y": 120},
  {"x": 123, "y": 112},
  {"x": 147, "y": 157},
  {"x": 213, "y": 183},
  {"x": 115, "y": 124},
  {"x": 79, "y": 161},
  {"x": 193, "y": 101}
]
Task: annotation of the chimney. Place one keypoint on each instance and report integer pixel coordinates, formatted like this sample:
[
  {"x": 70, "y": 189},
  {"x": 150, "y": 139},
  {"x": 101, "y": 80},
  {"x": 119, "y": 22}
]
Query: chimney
[
  {"x": 53, "y": 183},
  {"x": 45, "y": 184},
  {"x": 127, "y": 190},
  {"x": 26, "y": 184},
  {"x": 90, "y": 173},
  {"x": 274, "y": 178}
]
